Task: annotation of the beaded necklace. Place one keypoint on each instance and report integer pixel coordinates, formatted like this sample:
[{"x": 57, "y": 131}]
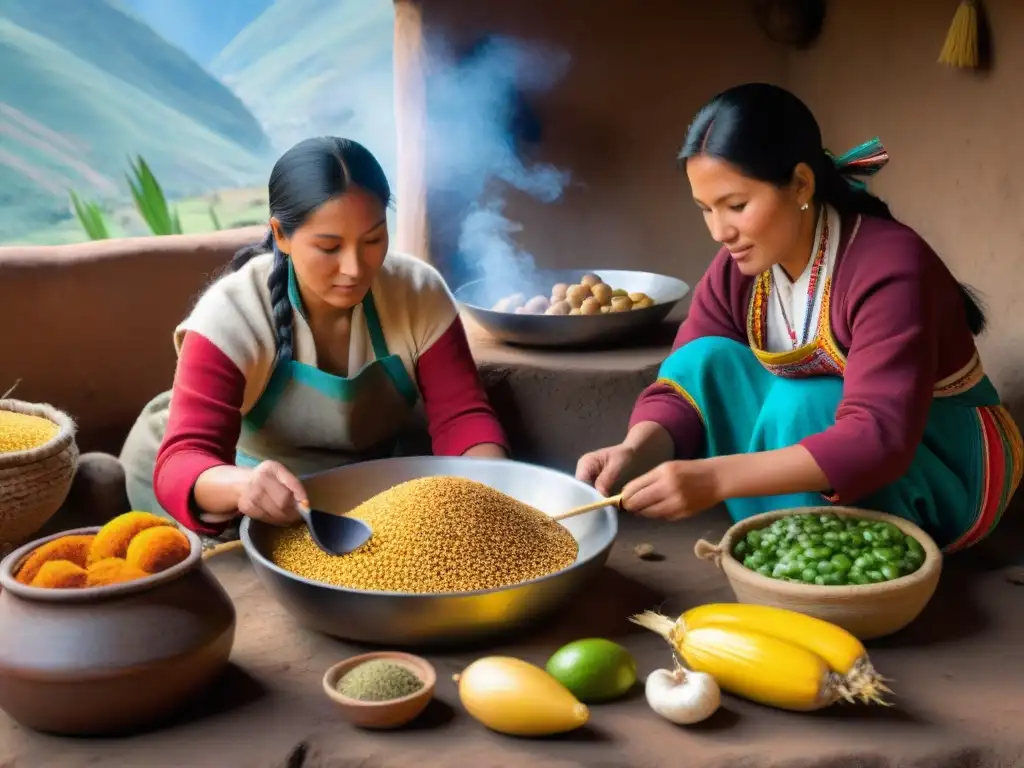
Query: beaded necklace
[{"x": 812, "y": 285}]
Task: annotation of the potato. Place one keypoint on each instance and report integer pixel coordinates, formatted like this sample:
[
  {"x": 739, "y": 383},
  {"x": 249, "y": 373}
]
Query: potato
[
  {"x": 558, "y": 292},
  {"x": 537, "y": 305},
  {"x": 576, "y": 294},
  {"x": 619, "y": 292},
  {"x": 621, "y": 304},
  {"x": 559, "y": 308},
  {"x": 602, "y": 292},
  {"x": 510, "y": 303},
  {"x": 638, "y": 297},
  {"x": 590, "y": 280},
  {"x": 591, "y": 306},
  {"x": 643, "y": 303},
  {"x": 575, "y": 311},
  {"x": 606, "y": 308}
]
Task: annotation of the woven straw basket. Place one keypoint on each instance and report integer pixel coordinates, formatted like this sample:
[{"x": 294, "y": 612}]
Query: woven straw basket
[
  {"x": 34, "y": 483},
  {"x": 867, "y": 611}
]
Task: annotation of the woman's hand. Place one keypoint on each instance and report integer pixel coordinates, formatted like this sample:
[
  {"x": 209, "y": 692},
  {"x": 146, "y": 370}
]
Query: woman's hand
[
  {"x": 605, "y": 467},
  {"x": 272, "y": 494},
  {"x": 647, "y": 445},
  {"x": 673, "y": 490}
]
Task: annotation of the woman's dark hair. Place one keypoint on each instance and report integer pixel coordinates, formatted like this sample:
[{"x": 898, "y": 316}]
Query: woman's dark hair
[
  {"x": 765, "y": 131},
  {"x": 305, "y": 177}
]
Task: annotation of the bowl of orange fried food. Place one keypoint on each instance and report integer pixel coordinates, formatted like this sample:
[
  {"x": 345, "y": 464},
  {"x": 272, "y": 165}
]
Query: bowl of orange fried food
[{"x": 109, "y": 630}]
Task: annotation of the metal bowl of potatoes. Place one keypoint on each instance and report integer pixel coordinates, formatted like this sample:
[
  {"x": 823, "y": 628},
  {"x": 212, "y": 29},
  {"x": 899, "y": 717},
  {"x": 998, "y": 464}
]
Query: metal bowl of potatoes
[{"x": 571, "y": 308}]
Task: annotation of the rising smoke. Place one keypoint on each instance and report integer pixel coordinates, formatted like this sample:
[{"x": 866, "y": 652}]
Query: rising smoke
[{"x": 474, "y": 156}]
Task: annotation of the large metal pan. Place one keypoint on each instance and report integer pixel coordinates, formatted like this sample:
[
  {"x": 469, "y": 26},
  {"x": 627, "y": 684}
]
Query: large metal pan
[
  {"x": 401, "y": 619},
  {"x": 479, "y": 296}
]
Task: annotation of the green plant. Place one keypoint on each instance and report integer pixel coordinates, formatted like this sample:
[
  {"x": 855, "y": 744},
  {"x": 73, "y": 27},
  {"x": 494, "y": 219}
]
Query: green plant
[
  {"x": 91, "y": 217},
  {"x": 214, "y": 217},
  {"x": 149, "y": 198}
]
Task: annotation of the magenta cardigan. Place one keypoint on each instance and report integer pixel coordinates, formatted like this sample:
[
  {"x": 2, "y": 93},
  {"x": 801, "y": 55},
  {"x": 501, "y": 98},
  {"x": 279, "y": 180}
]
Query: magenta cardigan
[{"x": 896, "y": 312}]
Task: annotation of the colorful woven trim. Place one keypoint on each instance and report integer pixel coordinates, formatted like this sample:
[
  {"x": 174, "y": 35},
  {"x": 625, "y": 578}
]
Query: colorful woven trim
[
  {"x": 962, "y": 380},
  {"x": 757, "y": 314},
  {"x": 1001, "y": 471},
  {"x": 683, "y": 394},
  {"x": 819, "y": 357}
]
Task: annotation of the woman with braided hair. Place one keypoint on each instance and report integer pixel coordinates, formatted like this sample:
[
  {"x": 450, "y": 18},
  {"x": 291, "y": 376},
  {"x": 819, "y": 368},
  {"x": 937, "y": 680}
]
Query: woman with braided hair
[
  {"x": 828, "y": 355},
  {"x": 312, "y": 352}
]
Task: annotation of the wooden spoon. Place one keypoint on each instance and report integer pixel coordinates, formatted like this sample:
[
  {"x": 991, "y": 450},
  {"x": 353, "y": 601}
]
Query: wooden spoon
[{"x": 611, "y": 501}]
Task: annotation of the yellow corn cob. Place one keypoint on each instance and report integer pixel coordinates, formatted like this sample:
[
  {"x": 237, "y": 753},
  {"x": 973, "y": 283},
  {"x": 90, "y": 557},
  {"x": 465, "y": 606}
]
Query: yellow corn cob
[
  {"x": 755, "y": 666},
  {"x": 843, "y": 652}
]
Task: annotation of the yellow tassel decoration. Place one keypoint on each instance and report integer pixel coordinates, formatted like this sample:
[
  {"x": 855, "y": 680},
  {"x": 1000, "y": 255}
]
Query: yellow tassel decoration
[{"x": 961, "y": 48}]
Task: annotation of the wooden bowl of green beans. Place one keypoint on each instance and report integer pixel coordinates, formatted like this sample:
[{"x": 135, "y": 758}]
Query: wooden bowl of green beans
[{"x": 868, "y": 572}]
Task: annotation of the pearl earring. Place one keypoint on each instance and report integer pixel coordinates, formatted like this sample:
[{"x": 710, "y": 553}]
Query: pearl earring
[{"x": 805, "y": 206}]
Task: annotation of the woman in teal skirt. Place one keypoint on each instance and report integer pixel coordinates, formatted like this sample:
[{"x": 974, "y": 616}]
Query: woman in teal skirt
[{"x": 828, "y": 356}]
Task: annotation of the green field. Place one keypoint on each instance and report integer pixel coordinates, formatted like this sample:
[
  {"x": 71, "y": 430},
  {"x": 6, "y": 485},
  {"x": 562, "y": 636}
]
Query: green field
[
  {"x": 72, "y": 110},
  {"x": 86, "y": 86},
  {"x": 234, "y": 207}
]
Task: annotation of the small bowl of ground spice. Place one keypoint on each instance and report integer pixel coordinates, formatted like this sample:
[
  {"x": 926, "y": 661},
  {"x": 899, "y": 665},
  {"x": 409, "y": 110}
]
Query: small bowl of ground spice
[{"x": 386, "y": 689}]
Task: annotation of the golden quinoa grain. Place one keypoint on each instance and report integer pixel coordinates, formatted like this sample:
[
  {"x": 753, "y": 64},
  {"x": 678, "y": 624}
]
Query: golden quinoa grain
[
  {"x": 436, "y": 534},
  {"x": 22, "y": 432}
]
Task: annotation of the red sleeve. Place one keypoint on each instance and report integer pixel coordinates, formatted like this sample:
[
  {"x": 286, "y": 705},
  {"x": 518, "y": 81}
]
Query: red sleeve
[
  {"x": 718, "y": 308},
  {"x": 890, "y": 371},
  {"x": 202, "y": 429},
  {"x": 459, "y": 415}
]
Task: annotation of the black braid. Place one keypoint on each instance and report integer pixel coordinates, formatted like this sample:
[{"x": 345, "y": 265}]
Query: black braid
[
  {"x": 281, "y": 306},
  {"x": 247, "y": 253},
  {"x": 277, "y": 282}
]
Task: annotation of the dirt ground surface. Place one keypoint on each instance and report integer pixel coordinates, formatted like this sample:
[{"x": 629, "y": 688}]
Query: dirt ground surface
[{"x": 958, "y": 672}]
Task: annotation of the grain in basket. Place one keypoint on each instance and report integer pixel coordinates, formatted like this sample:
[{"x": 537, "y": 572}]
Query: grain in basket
[
  {"x": 23, "y": 431},
  {"x": 435, "y": 534}
]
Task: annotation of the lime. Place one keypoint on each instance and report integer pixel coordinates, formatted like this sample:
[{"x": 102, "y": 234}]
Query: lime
[{"x": 593, "y": 669}]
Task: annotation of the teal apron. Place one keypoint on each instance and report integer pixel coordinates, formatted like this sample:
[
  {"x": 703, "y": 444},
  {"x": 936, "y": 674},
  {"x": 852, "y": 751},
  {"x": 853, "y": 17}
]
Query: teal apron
[
  {"x": 310, "y": 420},
  {"x": 307, "y": 419}
]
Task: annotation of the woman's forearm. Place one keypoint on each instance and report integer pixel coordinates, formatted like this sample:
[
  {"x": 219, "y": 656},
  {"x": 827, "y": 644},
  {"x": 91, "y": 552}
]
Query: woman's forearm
[
  {"x": 767, "y": 473},
  {"x": 651, "y": 444},
  {"x": 487, "y": 451},
  {"x": 218, "y": 489}
]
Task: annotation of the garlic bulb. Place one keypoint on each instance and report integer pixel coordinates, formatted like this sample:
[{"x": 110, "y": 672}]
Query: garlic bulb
[{"x": 681, "y": 696}]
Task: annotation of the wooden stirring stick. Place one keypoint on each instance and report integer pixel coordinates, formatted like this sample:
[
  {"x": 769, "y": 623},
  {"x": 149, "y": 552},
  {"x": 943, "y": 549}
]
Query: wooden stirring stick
[
  {"x": 612, "y": 501},
  {"x": 219, "y": 549}
]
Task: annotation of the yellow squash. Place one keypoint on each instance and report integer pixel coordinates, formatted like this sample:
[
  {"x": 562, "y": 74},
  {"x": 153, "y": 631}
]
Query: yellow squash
[
  {"x": 514, "y": 697},
  {"x": 843, "y": 652}
]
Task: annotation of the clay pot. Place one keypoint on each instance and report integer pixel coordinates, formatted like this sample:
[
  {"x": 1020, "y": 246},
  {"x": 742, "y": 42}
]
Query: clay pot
[{"x": 112, "y": 659}]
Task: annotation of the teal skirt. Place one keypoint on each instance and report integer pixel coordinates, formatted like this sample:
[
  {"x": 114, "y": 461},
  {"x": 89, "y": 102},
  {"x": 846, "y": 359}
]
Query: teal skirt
[{"x": 963, "y": 474}]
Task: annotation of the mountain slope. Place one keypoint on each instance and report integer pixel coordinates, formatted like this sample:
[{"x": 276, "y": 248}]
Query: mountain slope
[
  {"x": 124, "y": 47},
  {"x": 67, "y": 122},
  {"x": 201, "y": 28},
  {"x": 308, "y": 67}
]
